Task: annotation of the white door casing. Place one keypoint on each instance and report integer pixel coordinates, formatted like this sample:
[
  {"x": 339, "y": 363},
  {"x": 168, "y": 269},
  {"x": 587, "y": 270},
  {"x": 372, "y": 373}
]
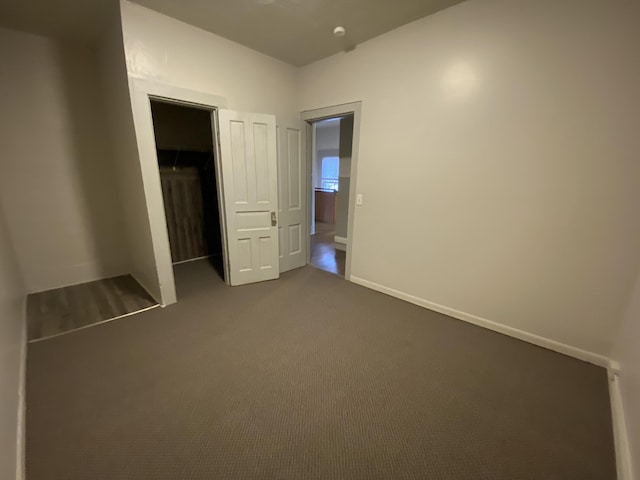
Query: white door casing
[
  {"x": 292, "y": 183},
  {"x": 248, "y": 154}
]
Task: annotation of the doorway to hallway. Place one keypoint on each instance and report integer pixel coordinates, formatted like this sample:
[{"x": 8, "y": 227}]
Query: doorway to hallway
[{"x": 331, "y": 183}]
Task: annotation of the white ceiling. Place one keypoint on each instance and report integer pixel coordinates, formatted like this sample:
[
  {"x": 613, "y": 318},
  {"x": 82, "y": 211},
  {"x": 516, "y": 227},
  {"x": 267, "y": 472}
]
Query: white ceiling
[{"x": 296, "y": 31}]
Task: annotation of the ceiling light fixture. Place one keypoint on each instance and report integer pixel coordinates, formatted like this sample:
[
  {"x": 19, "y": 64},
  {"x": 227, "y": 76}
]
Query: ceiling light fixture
[{"x": 339, "y": 31}]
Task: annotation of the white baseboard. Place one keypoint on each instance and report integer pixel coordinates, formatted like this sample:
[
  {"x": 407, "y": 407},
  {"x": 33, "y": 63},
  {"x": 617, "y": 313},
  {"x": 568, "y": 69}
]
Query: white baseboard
[
  {"x": 621, "y": 440},
  {"x": 22, "y": 393},
  {"x": 575, "y": 352},
  {"x": 340, "y": 243}
]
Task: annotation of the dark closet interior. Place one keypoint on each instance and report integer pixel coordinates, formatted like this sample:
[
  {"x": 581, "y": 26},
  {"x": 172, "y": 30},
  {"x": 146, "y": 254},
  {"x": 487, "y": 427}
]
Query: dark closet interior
[{"x": 186, "y": 158}]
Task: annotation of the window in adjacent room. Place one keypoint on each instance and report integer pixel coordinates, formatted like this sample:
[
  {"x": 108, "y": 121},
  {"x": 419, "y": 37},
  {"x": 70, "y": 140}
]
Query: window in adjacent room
[{"x": 330, "y": 167}]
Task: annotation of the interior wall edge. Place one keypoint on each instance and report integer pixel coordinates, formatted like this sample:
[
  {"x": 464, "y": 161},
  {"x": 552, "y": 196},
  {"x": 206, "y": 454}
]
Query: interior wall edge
[
  {"x": 22, "y": 395},
  {"x": 558, "y": 347},
  {"x": 618, "y": 419},
  {"x": 119, "y": 109},
  {"x": 22, "y": 405}
]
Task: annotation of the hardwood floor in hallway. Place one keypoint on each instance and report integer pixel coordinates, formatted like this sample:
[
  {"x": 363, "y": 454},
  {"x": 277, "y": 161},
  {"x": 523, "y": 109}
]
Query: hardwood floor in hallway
[{"x": 324, "y": 255}]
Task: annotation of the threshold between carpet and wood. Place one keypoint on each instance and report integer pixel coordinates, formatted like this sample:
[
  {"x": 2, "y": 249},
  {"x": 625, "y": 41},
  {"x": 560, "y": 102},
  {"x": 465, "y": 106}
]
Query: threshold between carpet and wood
[{"x": 308, "y": 377}]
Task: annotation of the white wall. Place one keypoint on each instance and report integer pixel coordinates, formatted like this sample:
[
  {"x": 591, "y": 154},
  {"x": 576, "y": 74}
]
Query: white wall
[
  {"x": 328, "y": 136},
  {"x": 165, "y": 50},
  {"x": 627, "y": 352},
  {"x": 126, "y": 164},
  {"x": 57, "y": 183},
  {"x": 12, "y": 345},
  {"x": 499, "y": 161}
]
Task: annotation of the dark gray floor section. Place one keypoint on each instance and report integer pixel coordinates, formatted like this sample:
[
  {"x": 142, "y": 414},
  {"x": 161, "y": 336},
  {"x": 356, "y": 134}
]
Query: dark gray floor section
[
  {"x": 62, "y": 310},
  {"x": 308, "y": 377}
]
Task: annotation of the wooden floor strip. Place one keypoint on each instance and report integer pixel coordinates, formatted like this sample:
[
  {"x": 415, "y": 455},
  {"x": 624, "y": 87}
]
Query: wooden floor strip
[
  {"x": 94, "y": 324},
  {"x": 68, "y": 309}
]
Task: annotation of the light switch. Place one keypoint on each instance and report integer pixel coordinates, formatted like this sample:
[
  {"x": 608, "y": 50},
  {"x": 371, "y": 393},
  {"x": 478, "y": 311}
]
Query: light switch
[{"x": 359, "y": 199}]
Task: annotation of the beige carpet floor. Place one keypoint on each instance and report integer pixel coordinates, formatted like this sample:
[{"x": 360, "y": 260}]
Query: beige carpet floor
[{"x": 308, "y": 377}]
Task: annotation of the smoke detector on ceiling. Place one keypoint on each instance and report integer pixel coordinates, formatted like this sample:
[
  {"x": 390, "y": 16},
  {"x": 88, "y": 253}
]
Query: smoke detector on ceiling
[{"x": 339, "y": 31}]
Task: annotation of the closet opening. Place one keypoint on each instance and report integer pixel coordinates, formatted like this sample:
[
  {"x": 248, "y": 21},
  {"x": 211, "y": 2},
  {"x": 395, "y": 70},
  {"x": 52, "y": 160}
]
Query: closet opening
[{"x": 187, "y": 164}]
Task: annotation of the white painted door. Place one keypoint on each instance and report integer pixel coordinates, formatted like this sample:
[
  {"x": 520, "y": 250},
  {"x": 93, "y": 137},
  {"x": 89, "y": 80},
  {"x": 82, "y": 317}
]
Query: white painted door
[
  {"x": 292, "y": 183},
  {"x": 248, "y": 154}
]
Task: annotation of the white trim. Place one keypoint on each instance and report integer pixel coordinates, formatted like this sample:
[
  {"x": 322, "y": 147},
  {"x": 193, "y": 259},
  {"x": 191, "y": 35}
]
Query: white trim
[
  {"x": 355, "y": 109},
  {"x": 340, "y": 243},
  {"x": 177, "y": 95},
  {"x": 96, "y": 323},
  {"x": 620, "y": 438},
  {"x": 222, "y": 206},
  {"x": 614, "y": 367},
  {"x": 565, "y": 349},
  {"x": 22, "y": 395},
  {"x": 330, "y": 112},
  {"x": 310, "y": 214}
]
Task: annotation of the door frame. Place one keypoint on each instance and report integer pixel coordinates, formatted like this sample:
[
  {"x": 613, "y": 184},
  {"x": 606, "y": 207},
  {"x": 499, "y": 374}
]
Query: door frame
[
  {"x": 310, "y": 116},
  {"x": 142, "y": 92}
]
